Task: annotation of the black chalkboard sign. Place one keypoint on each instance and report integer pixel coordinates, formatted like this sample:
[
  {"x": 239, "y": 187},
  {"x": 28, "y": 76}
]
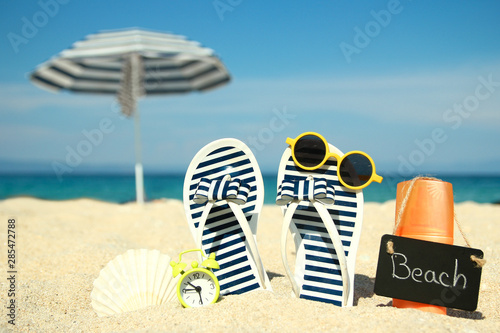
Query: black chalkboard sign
[{"x": 428, "y": 272}]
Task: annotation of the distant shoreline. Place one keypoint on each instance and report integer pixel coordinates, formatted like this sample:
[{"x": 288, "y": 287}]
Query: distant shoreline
[{"x": 120, "y": 188}]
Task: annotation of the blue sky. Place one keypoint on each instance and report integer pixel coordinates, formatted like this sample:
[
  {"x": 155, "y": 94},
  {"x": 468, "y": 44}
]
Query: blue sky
[{"x": 415, "y": 84}]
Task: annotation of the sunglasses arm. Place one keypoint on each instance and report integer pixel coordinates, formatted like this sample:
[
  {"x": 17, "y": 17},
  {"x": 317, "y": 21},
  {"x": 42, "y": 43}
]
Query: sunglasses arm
[{"x": 377, "y": 178}]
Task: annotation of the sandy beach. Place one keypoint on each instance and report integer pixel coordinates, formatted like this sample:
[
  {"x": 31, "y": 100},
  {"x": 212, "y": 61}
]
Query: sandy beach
[{"x": 61, "y": 246}]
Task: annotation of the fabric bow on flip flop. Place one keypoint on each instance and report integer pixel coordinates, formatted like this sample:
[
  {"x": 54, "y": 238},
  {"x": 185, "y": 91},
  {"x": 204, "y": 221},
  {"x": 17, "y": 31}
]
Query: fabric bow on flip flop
[
  {"x": 225, "y": 189},
  {"x": 309, "y": 189}
]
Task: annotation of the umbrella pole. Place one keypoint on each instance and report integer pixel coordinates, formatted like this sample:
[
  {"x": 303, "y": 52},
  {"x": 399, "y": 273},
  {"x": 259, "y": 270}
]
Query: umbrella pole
[{"x": 139, "y": 175}]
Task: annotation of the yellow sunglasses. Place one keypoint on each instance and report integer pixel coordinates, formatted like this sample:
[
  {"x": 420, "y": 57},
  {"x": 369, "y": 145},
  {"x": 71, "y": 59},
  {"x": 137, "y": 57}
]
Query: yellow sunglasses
[{"x": 355, "y": 170}]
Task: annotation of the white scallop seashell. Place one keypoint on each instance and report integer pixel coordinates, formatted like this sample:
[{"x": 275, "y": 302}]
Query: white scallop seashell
[{"x": 133, "y": 280}]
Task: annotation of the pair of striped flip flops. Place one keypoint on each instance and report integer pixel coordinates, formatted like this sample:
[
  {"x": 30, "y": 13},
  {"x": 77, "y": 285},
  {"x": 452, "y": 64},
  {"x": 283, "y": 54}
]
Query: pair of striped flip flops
[{"x": 223, "y": 197}]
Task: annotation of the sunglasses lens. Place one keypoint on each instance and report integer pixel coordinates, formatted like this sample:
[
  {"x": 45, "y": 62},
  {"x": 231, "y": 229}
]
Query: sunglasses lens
[
  {"x": 356, "y": 170},
  {"x": 309, "y": 151}
]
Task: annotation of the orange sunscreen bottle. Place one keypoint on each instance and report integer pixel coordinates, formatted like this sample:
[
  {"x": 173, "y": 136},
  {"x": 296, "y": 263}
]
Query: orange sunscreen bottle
[{"x": 428, "y": 215}]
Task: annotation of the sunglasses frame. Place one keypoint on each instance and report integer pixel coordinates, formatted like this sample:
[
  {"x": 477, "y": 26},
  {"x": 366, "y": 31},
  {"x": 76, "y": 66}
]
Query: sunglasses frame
[{"x": 373, "y": 177}]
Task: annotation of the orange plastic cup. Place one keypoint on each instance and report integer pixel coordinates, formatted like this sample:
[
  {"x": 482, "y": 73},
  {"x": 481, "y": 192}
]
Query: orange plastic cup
[{"x": 429, "y": 216}]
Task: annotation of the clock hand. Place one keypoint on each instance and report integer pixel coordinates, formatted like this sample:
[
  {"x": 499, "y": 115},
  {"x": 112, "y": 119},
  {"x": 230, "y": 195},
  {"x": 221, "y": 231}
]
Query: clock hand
[
  {"x": 201, "y": 300},
  {"x": 198, "y": 289}
]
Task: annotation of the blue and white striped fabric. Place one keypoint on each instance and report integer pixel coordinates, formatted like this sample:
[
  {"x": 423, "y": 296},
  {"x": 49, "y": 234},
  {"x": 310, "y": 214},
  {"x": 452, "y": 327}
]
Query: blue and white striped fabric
[
  {"x": 309, "y": 189},
  {"x": 216, "y": 173},
  {"x": 317, "y": 269},
  {"x": 226, "y": 189}
]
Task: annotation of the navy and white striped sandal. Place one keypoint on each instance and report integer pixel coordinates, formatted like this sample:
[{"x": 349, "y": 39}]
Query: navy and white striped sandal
[
  {"x": 223, "y": 198},
  {"x": 324, "y": 218}
]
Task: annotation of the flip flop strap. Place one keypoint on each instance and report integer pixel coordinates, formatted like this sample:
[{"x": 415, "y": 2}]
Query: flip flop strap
[
  {"x": 334, "y": 236},
  {"x": 284, "y": 232},
  {"x": 247, "y": 232},
  {"x": 337, "y": 245}
]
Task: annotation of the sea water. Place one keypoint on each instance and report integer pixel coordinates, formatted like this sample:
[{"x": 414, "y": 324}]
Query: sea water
[{"x": 121, "y": 188}]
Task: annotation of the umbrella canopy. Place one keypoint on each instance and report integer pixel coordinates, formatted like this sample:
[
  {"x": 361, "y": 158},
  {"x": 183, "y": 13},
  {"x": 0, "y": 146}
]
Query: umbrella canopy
[{"x": 129, "y": 64}]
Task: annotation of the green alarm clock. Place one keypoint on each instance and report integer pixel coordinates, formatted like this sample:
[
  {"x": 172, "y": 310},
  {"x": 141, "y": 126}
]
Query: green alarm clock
[{"x": 197, "y": 286}]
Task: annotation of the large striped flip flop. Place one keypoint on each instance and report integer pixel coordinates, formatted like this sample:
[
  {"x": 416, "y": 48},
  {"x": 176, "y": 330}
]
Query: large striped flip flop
[
  {"x": 223, "y": 197},
  {"x": 324, "y": 218}
]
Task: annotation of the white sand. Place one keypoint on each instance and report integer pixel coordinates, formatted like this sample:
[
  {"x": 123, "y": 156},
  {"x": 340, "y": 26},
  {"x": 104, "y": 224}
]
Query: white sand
[{"x": 62, "y": 246}]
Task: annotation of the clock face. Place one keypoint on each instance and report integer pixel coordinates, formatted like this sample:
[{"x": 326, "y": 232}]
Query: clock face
[{"x": 198, "y": 287}]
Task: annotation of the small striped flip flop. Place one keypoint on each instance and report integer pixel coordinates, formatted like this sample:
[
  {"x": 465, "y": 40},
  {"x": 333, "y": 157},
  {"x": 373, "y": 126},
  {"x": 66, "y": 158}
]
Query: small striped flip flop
[
  {"x": 324, "y": 218},
  {"x": 223, "y": 197}
]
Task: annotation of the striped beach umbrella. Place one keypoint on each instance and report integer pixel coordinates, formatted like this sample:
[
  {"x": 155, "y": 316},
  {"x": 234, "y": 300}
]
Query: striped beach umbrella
[{"x": 130, "y": 64}]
